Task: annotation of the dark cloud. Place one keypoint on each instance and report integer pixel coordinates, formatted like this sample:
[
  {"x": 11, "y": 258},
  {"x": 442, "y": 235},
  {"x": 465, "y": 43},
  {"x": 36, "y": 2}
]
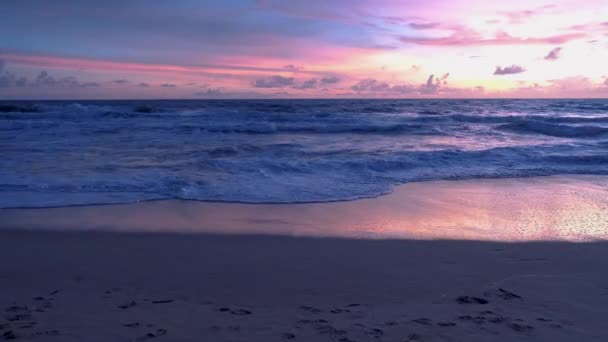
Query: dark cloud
[
  {"x": 423, "y": 26},
  {"x": 210, "y": 92},
  {"x": 42, "y": 80},
  {"x": 509, "y": 70},
  {"x": 143, "y": 85},
  {"x": 120, "y": 81},
  {"x": 90, "y": 85},
  {"x": 308, "y": 84},
  {"x": 375, "y": 86},
  {"x": 273, "y": 82},
  {"x": 330, "y": 79},
  {"x": 431, "y": 86},
  {"x": 370, "y": 85},
  {"x": 553, "y": 54},
  {"x": 168, "y": 85}
]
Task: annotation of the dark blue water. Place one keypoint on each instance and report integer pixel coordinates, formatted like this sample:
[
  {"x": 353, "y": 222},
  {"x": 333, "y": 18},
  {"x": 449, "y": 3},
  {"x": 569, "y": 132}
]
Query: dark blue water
[{"x": 69, "y": 153}]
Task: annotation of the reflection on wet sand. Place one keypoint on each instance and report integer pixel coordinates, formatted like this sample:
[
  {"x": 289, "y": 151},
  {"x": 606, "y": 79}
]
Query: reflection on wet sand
[{"x": 571, "y": 208}]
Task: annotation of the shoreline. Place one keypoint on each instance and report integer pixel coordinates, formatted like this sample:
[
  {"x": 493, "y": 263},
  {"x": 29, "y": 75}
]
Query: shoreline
[{"x": 573, "y": 208}]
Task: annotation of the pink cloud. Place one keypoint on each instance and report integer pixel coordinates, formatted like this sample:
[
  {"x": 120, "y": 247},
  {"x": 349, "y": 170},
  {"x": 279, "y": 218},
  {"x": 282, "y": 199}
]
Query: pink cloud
[
  {"x": 424, "y": 26},
  {"x": 502, "y": 38}
]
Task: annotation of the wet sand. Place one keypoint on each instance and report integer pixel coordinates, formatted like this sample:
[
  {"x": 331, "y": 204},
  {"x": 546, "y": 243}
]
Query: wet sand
[
  {"x": 570, "y": 208},
  {"x": 126, "y": 285}
]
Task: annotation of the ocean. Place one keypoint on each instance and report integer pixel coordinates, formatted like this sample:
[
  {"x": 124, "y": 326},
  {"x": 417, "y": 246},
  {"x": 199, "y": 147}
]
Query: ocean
[{"x": 62, "y": 153}]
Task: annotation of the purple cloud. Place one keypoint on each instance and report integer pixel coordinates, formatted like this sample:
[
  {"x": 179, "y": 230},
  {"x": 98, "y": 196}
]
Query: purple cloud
[
  {"x": 168, "y": 85},
  {"x": 273, "y": 82},
  {"x": 292, "y": 67},
  {"x": 423, "y": 26},
  {"x": 330, "y": 80},
  {"x": 210, "y": 92},
  {"x": 509, "y": 70},
  {"x": 309, "y": 84},
  {"x": 370, "y": 85},
  {"x": 464, "y": 37},
  {"x": 553, "y": 54},
  {"x": 143, "y": 85},
  {"x": 120, "y": 81}
]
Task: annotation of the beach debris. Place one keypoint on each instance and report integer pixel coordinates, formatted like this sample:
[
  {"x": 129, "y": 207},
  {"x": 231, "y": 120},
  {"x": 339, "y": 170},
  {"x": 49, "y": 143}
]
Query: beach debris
[
  {"x": 471, "y": 300},
  {"x": 163, "y": 301},
  {"x": 52, "y": 293},
  {"x": 353, "y": 305},
  {"x": 504, "y": 294},
  {"x": 391, "y": 323}
]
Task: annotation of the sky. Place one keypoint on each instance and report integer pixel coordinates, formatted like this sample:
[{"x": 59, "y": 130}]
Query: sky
[{"x": 149, "y": 49}]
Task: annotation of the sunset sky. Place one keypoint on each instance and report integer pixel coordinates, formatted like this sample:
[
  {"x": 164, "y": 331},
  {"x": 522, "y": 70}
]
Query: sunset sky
[{"x": 104, "y": 49}]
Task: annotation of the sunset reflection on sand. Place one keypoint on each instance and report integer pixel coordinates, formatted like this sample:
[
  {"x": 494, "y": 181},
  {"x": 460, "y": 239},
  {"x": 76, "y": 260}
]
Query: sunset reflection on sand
[{"x": 573, "y": 208}]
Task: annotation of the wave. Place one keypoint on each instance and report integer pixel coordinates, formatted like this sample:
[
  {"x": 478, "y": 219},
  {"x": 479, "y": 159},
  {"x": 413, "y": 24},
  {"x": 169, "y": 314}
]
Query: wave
[
  {"x": 285, "y": 151},
  {"x": 554, "y": 130}
]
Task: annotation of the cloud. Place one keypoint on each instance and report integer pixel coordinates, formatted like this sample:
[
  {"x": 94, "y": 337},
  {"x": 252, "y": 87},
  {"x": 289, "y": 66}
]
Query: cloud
[
  {"x": 90, "y": 85},
  {"x": 431, "y": 86},
  {"x": 143, "y": 85},
  {"x": 415, "y": 67},
  {"x": 370, "y": 84},
  {"x": 423, "y": 26},
  {"x": 509, "y": 70},
  {"x": 2, "y": 64},
  {"x": 330, "y": 79},
  {"x": 468, "y": 38},
  {"x": 520, "y": 16},
  {"x": 43, "y": 80},
  {"x": 273, "y": 82},
  {"x": 168, "y": 85},
  {"x": 292, "y": 67},
  {"x": 553, "y": 54},
  {"x": 120, "y": 81},
  {"x": 210, "y": 92},
  {"x": 309, "y": 84},
  {"x": 606, "y": 82}
]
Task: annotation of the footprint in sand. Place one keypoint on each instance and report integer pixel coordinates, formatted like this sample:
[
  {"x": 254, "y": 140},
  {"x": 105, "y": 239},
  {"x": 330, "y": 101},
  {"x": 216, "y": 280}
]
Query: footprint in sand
[{"x": 151, "y": 335}]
